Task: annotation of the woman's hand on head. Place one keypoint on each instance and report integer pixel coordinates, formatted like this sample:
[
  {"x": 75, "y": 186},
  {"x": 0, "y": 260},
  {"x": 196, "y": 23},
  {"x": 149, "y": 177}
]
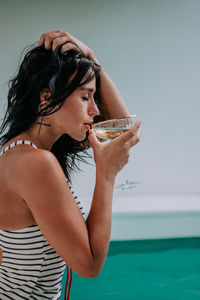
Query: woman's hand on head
[
  {"x": 53, "y": 39},
  {"x": 111, "y": 157}
]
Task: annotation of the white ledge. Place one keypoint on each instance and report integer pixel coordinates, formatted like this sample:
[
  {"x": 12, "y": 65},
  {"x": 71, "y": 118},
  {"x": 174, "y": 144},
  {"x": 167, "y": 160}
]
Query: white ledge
[{"x": 154, "y": 217}]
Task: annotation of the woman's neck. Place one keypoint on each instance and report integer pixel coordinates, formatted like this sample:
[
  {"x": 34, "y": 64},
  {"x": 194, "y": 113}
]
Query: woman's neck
[{"x": 43, "y": 136}]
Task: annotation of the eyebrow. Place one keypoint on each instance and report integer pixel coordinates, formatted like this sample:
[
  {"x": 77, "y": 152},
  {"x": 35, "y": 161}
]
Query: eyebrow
[{"x": 87, "y": 89}]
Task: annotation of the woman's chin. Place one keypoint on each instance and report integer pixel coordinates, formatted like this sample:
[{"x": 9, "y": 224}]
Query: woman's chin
[{"x": 82, "y": 137}]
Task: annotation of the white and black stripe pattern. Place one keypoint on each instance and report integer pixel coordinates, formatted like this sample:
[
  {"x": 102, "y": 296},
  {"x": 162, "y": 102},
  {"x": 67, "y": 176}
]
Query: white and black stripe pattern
[
  {"x": 20, "y": 142},
  {"x": 30, "y": 267},
  {"x": 77, "y": 200}
]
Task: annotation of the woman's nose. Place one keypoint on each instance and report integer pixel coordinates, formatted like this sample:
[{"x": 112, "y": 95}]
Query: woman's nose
[{"x": 93, "y": 109}]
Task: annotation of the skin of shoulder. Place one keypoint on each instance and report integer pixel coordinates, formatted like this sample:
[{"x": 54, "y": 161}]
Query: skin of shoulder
[{"x": 43, "y": 186}]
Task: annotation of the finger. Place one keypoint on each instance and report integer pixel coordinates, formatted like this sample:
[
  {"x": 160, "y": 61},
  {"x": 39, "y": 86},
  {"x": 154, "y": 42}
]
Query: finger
[
  {"x": 44, "y": 36},
  {"x": 136, "y": 125},
  {"x": 48, "y": 37},
  {"x": 136, "y": 133},
  {"x": 134, "y": 140},
  {"x": 59, "y": 41},
  {"x": 41, "y": 41},
  {"x": 130, "y": 133},
  {"x": 69, "y": 46},
  {"x": 93, "y": 139}
]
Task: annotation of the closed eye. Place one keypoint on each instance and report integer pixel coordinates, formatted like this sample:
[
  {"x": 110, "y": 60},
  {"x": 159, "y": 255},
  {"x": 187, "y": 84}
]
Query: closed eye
[{"x": 85, "y": 98}]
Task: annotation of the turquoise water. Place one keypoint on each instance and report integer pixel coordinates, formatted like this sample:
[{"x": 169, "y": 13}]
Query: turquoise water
[{"x": 141, "y": 270}]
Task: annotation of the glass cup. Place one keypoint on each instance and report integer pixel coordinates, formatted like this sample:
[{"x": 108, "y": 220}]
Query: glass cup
[{"x": 108, "y": 130}]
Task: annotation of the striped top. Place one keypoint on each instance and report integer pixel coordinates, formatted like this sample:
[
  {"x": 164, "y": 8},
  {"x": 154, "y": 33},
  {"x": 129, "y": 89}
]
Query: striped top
[
  {"x": 30, "y": 267},
  {"x": 20, "y": 142}
]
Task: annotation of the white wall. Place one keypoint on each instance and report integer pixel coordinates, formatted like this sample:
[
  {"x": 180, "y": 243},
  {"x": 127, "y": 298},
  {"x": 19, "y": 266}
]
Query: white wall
[{"x": 151, "y": 49}]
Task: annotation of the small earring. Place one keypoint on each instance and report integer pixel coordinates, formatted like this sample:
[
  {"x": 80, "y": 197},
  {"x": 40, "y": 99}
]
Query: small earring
[{"x": 43, "y": 103}]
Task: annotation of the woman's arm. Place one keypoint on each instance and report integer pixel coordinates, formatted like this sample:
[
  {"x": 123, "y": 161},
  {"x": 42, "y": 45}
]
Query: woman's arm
[{"x": 113, "y": 105}]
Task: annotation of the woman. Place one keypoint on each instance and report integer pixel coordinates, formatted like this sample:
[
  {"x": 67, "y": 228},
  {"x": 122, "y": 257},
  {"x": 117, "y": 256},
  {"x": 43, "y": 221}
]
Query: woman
[{"x": 58, "y": 92}]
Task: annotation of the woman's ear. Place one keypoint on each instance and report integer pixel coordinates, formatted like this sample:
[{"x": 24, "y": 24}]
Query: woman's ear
[{"x": 45, "y": 95}]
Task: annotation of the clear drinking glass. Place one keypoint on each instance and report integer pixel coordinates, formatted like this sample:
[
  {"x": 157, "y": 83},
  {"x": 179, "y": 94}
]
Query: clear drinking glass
[{"x": 108, "y": 130}]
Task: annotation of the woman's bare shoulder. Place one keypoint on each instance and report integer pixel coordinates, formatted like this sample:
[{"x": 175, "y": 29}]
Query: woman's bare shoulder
[
  {"x": 38, "y": 158},
  {"x": 36, "y": 165}
]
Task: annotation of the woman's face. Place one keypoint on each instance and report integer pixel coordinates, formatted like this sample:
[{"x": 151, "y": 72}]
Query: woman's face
[{"x": 77, "y": 112}]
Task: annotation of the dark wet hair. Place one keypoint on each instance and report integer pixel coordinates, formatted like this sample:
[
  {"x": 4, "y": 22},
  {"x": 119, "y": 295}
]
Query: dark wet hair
[{"x": 43, "y": 69}]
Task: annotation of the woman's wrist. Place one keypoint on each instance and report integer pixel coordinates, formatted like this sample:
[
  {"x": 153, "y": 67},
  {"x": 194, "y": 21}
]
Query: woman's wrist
[{"x": 106, "y": 177}]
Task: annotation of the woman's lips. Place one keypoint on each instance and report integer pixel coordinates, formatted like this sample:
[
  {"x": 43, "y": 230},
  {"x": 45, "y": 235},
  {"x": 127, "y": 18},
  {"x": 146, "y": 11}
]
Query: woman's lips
[{"x": 87, "y": 126}]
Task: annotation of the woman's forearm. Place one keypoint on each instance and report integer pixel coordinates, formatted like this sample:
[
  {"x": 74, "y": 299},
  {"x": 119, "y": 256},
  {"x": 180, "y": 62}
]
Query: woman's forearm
[
  {"x": 113, "y": 105},
  {"x": 99, "y": 220}
]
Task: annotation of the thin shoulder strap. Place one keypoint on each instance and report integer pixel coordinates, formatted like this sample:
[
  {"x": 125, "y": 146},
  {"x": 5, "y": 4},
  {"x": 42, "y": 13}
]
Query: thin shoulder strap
[{"x": 16, "y": 143}]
